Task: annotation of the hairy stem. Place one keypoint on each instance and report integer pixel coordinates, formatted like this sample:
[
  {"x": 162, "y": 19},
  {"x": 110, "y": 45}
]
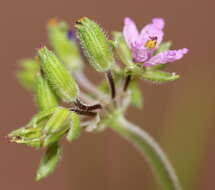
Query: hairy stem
[
  {"x": 151, "y": 150},
  {"x": 85, "y": 107},
  {"x": 127, "y": 81},
  {"x": 87, "y": 85},
  {"x": 111, "y": 84},
  {"x": 83, "y": 112}
]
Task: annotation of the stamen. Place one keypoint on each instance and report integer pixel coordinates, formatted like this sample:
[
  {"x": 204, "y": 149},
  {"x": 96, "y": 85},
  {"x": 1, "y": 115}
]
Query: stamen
[{"x": 151, "y": 44}]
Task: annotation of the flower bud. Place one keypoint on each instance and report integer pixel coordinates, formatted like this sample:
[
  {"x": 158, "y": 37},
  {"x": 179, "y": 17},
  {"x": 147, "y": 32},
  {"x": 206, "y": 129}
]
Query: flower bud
[
  {"x": 121, "y": 48},
  {"x": 95, "y": 44},
  {"x": 45, "y": 97},
  {"x": 27, "y": 135},
  {"x": 58, "y": 76},
  {"x": 27, "y": 74},
  {"x": 75, "y": 128},
  {"x": 58, "y": 120},
  {"x": 65, "y": 47}
]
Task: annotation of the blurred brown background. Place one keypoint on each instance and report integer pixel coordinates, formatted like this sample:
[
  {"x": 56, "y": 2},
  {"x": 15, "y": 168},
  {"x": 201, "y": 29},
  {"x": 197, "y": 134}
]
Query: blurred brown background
[{"x": 179, "y": 115}]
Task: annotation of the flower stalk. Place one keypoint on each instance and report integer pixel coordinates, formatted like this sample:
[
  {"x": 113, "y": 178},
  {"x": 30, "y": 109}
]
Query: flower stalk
[{"x": 150, "y": 149}]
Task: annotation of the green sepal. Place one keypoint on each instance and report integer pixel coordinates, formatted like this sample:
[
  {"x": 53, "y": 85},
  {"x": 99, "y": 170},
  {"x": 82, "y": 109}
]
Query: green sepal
[
  {"x": 49, "y": 161},
  {"x": 27, "y": 135},
  {"x": 163, "y": 47},
  {"x": 75, "y": 129},
  {"x": 95, "y": 44},
  {"x": 155, "y": 76},
  {"x": 159, "y": 76},
  {"x": 136, "y": 94},
  {"x": 54, "y": 137},
  {"x": 41, "y": 116},
  {"x": 66, "y": 49},
  {"x": 27, "y": 74},
  {"x": 59, "y": 119},
  {"x": 44, "y": 95},
  {"x": 58, "y": 76},
  {"x": 121, "y": 48}
]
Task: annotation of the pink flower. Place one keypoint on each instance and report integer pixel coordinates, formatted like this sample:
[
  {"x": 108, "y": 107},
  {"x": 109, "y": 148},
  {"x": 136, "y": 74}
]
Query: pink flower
[{"x": 144, "y": 44}]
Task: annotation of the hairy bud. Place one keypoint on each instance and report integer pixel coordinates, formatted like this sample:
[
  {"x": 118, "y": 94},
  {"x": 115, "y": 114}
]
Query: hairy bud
[
  {"x": 57, "y": 75},
  {"x": 95, "y": 44}
]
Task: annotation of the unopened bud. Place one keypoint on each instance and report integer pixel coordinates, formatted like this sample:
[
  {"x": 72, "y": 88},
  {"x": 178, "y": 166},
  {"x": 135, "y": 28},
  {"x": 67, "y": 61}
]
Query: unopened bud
[
  {"x": 57, "y": 75},
  {"x": 95, "y": 44},
  {"x": 59, "y": 119},
  {"x": 64, "y": 45},
  {"x": 45, "y": 96},
  {"x": 27, "y": 73}
]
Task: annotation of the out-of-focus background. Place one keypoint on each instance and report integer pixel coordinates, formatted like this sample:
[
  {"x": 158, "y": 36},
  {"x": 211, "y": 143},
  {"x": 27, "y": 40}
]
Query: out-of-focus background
[{"x": 179, "y": 115}]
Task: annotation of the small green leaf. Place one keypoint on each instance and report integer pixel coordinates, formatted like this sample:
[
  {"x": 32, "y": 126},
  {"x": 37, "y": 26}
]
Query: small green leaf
[
  {"x": 159, "y": 76},
  {"x": 136, "y": 94},
  {"x": 27, "y": 74},
  {"x": 58, "y": 76},
  {"x": 44, "y": 95},
  {"x": 95, "y": 44},
  {"x": 48, "y": 162},
  {"x": 75, "y": 128}
]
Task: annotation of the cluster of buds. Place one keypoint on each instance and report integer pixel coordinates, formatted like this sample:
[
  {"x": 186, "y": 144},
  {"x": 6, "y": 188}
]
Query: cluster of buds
[{"x": 58, "y": 82}]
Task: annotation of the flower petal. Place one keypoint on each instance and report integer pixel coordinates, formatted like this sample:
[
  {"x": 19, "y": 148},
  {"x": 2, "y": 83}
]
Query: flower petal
[
  {"x": 159, "y": 23},
  {"x": 153, "y": 30},
  {"x": 140, "y": 53},
  {"x": 166, "y": 57},
  {"x": 130, "y": 31}
]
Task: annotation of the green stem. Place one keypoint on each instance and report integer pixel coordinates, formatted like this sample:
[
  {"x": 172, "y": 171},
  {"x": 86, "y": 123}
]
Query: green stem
[{"x": 144, "y": 142}]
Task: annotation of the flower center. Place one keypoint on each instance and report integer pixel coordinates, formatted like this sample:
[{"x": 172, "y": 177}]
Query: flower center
[{"x": 151, "y": 44}]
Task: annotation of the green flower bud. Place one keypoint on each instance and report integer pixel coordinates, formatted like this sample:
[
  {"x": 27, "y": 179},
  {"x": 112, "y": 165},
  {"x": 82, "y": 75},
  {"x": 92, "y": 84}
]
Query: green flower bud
[
  {"x": 59, "y": 119},
  {"x": 45, "y": 128},
  {"x": 75, "y": 128},
  {"x": 27, "y": 135},
  {"x": 66, "y": 48},
  {"x": 58, "y": 76},
  {"x": 95, "y": 44},
  {"x": 54, "y": 137},
  {"x": 45, "y": 97},
  {"x": 27, "y": 74},
  {"x": 121, "y": 48}
]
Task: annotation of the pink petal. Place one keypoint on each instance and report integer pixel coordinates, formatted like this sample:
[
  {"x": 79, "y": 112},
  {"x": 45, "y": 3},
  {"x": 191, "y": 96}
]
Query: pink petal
[
  {"x": 153, "y": 30},
  {"x": 158, "y": 22},
  {"x": 166, "y": 57},
  {"x": 130, "y": 31},
  {"x": 140, "y": 53}
]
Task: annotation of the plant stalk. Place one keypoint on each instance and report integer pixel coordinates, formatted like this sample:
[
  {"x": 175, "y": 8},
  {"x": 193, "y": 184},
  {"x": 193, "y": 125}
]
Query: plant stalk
[{"x": 150, "y": 149}]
